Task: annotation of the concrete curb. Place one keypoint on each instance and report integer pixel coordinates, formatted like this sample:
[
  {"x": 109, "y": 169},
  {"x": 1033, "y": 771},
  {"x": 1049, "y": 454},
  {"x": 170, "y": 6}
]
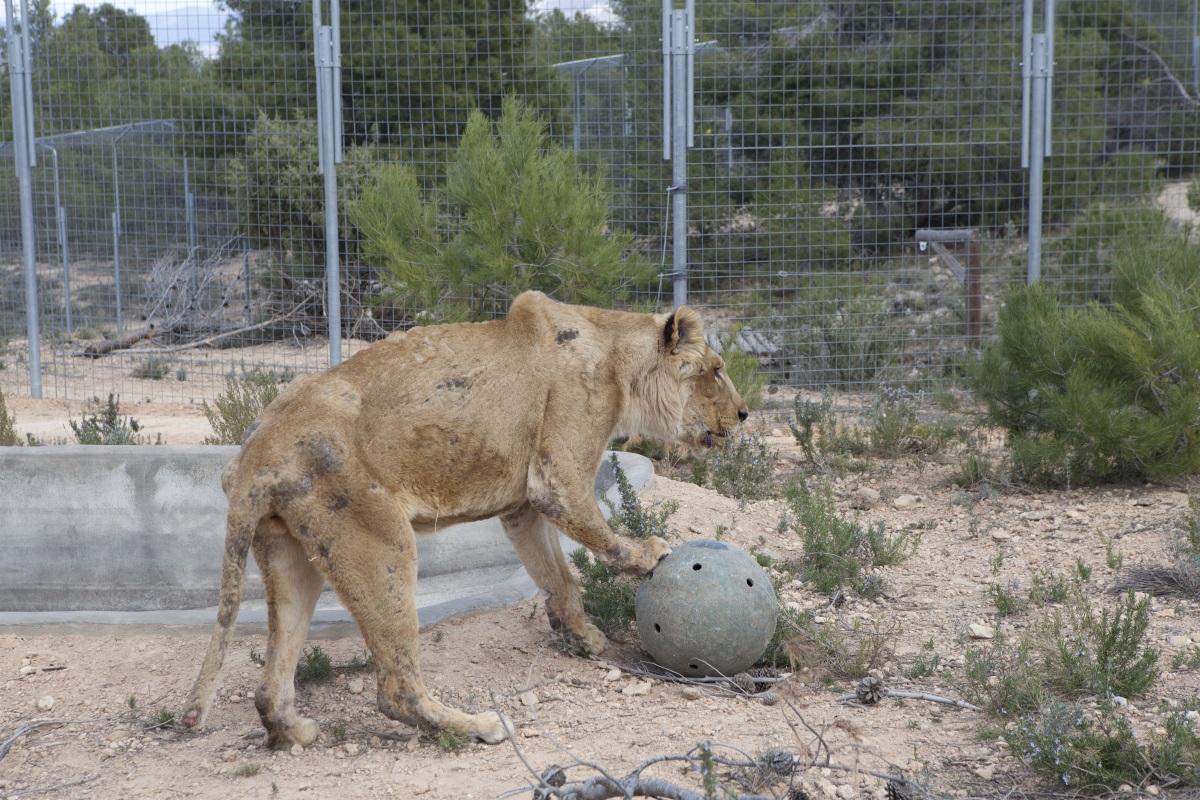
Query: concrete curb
[{"x": 135, "y": 535}]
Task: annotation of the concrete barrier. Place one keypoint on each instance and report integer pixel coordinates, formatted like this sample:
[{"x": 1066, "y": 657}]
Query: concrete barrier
[{"x": 136, "y": 534}]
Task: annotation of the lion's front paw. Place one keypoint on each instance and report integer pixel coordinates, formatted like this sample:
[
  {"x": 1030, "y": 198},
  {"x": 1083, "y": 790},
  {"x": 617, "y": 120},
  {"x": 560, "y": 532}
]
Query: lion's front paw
[{"x": 645, "y": 555}]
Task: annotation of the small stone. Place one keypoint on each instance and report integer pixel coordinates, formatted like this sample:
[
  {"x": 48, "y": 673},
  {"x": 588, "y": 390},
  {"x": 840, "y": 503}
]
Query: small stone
[
  {"x": 907, "y": 501},
  {"x": 530, "y": 733},
  {"x": 1001, "y": 535},
  {"x": 1153, "y": 790},
  {"x": 636, "y": 689},
  {"x": 691, "y": 693},
  {"x": 351, "y": 748},
  {"x": 229, "y": 756},
  {"x": 45, "y": 703},
  {"x": 980, "y": 631},
  {"x": 986, "y": 772},
  {"x": 529, "y": 698},
  {"x": 993, "y": 681},
  {"x": 297, "y": 749},
  {"x": 1125, "y": 789},
  {"x": 28, "y": 670},
  {"x": 864, "y": 497},
  {"x": 612, "y": 675},
  {"x": 1178, "y": 641},
  {"x": 1119, "y": 701},
  {"x": 1034, "y": 516},
  {"x": 355, "y": 685}
]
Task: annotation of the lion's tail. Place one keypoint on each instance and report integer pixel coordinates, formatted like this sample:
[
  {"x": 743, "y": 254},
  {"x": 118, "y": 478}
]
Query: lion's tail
[{"x": 239, "y": 533}]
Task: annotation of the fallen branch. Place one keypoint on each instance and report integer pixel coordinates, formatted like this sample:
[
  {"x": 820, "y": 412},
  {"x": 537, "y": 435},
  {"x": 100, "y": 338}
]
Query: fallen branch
[
  {"x": 1167, "y": 71},
  {"x": 903, "y": 695},
  {"x": 23, "y": 729},
  {"x": 53, "y": 788},
  {"x": 105, "y": 346}
]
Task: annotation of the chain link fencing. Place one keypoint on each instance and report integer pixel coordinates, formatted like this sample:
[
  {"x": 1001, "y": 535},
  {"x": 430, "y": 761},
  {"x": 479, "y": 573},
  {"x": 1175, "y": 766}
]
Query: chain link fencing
[{"x": 852, "y": 209}]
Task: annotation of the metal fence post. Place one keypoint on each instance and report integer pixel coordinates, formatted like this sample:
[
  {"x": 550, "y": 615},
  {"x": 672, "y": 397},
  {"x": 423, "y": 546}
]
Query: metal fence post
[
  {"x": 19, "y": 58},
  {"x": 116, "y": 237},
  {"x": 1037, "y": 156},
  {"x": 329, "y": 145},
  {"x": 677, "y": 130}
]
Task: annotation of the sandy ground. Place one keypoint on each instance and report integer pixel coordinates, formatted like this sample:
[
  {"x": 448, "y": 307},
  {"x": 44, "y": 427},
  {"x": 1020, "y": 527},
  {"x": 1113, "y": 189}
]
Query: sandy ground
[{"x": 569, "y": 708}]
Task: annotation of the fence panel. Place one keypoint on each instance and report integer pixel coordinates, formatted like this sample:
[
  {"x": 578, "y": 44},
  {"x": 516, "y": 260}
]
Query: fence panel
[{"x": 856, "y": 201}]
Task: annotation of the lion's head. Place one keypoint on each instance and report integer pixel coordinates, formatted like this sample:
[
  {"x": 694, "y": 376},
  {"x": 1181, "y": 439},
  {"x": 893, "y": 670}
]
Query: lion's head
[
  {"x": 686, "y": 396},
  {"x": 715, "y": 406}
]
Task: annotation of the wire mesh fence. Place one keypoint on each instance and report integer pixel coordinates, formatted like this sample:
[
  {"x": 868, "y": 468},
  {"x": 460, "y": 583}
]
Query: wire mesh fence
[{"x": 853, "y": 204}]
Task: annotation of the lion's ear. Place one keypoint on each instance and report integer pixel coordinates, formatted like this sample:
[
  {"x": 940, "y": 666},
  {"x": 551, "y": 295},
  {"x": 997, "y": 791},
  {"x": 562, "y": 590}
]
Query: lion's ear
[{"x": 683, "y": 327}]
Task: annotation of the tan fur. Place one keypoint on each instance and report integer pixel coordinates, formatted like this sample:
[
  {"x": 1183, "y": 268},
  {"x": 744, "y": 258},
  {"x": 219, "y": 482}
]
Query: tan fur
[{"x": 435, "y": 426}]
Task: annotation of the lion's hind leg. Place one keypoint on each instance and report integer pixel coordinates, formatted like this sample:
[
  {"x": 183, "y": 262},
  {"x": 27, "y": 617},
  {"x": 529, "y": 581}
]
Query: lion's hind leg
[
  {"x": 536, "y": 541},
  {"x": 374, "y": 571},
  {"x": 293, "y": 585}
]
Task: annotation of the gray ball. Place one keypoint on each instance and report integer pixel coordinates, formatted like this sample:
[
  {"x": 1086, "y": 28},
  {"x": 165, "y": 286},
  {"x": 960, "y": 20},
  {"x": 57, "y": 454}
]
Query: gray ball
[{"x": 706, "y": 609}]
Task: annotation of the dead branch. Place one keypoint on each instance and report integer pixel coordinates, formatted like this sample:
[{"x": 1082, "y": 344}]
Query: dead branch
[
  {"x": 1166, "y": 69},
  {"x": 54, "y": 788},
  {"x": 104, "y": 346},
  {"x": 903, "y": 695},
  {"x": 23, "y": 729}
]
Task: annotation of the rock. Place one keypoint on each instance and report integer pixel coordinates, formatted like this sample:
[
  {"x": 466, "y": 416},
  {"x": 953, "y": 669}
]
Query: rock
[
  {"x": 980, "y": 631},
  {"x": 907, "y": 501},
  {"x": 1178, "y": 641},
  {"x": 986, "y": 772},
  {"x": 351, "y": 748},
  {"x": 1153, "y": 790},
  {"x": 28, "y": 670},
  {"x": 1001, "y": 535},
  {"x": 355, "y": 685},
  {"x": 846, "y": 792},
  {"x": 1034, "y": 516},
  {"x": 636, "y": 689},
  {"x": 826, "y": 788},
  {"x": 691, "y": 693},
  {"x": 612, "y": 675},
  {"x": 1125, "y": 789},
  {"x": 864, "y": 497},
  {"x": 229, "y": 756},
  {"x": 529, "y": 698},
  {"x": 45, "y": 703}
]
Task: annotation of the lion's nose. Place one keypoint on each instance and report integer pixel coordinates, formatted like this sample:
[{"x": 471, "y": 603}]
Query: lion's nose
[{"x": 743, "y": 414}]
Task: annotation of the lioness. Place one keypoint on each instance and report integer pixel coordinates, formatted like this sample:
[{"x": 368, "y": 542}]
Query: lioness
[{"x": 439, "y": 425}]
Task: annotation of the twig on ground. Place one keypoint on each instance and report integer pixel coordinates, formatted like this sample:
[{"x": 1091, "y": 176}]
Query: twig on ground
[
  {"x": 392, "y": 735},
  {"x": 53, "y": 788},
  {"x": 903, "y": 695},
  {"x": 719, "y": 683},
  {"x": 23, "y": 729}
]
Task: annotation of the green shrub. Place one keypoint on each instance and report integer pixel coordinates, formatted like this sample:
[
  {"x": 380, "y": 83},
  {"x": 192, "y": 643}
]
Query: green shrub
[
  {"x": 1102, "y": 393},
  {"x": 154, "y": 369},
  {"x": 108, "y": 427},
  {"x": 1193, "y": 195},
  {"x": 895, "y": 429},
  {"x": 1099, "y": 752},
  {"x": 633, "y": 518},
  {"x": 839, "y": 552},
  {"x": 1088, "y": 654},
  {"x": 842, "y": 651},
  {"x": 1049, "y": 587},
  {"x": 741, "y": 467},
  {"x": 236, "y": 408},
  {"x": 315, "y": 666},
  {"x": 8, "y": 426},
  {"x": 516, "y": 212},
  {"x": 1005, "y": 678},
  {"x": 1005, "y": 600}
]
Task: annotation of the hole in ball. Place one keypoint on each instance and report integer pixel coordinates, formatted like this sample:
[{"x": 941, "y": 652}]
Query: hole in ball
[
  {"x": 657, "y": 628},
  {"x": 693, "y": 668},
  {"x": 750, "y": 582},
  {"x": 696, "y": 566}
]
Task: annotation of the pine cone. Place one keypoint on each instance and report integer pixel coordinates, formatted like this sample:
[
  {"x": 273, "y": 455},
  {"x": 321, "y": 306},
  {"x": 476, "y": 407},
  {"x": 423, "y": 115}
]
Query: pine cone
[
  {"x": 870, "y": 691},
  {"x": 745, "y": 682},
  {"x": 901, "y": 790}
]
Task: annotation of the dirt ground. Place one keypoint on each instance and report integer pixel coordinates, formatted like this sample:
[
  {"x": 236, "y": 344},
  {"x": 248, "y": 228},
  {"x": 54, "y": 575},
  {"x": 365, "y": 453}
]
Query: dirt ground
[{"x": 567, "y": 708}]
